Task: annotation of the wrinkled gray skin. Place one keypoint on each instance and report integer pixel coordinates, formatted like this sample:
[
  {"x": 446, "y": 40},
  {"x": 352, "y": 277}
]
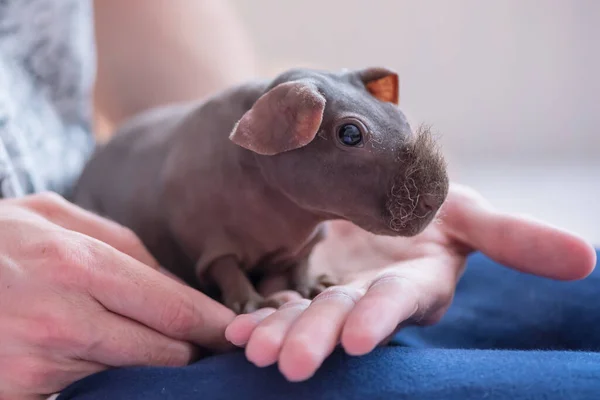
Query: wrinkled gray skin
[{"x": 234, "y": 189}]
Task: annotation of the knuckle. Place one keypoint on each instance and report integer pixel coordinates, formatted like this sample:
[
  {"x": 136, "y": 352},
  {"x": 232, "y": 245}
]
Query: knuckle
[
  {"x": 178, "y": 318},
  {"x": 405, "y": 290},
  {"x": 339, "y": 292},
  {"x": 431, "y": 297},
  {"x": 50, "y": 197},
  {"x": 55, "y": 249},
  {"x": 63, "y": 257},
  {"x": 144, "y": 349},
  {"x": 129, "y": 242},
  {"x": 128, "y": 238},
  {"x": 48, "y": 203},
  {"x": 396, "y": 279},
  {"x": 299, "y": 303},
  {"x": 176, "y": 358},
  {"x": 389, "y": 277}
]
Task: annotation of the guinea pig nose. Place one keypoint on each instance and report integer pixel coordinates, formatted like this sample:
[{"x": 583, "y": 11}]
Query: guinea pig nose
[{"x": 428, "y": 204}]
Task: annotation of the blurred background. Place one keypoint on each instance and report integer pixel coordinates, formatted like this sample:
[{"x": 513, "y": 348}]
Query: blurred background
[{"x": 512, "y": 87}]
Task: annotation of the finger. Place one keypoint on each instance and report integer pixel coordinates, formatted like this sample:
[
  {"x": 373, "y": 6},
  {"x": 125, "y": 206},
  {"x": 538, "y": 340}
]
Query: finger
[
  {"x": 71, "y": 217},
  {"x": 316, "y": 332},
  {"x": 123, "y": 342},
  {"x": 126, "y": 287},
  {"x": 239, "y": 331},
  {"x": 515, "y": 241},
  {"x": 284, "y": 296},
  {"x": 390, "y": 300},
  {"x": 267, "y": 338}
]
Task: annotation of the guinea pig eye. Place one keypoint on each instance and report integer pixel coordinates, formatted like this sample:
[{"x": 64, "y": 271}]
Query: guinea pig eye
[{"x": 350, "y": 135}]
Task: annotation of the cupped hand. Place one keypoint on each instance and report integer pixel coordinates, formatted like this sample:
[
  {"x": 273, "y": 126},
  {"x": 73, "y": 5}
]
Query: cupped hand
[
  {"x": 389, "y": 282},
  {"x": 79, "y": 294}
]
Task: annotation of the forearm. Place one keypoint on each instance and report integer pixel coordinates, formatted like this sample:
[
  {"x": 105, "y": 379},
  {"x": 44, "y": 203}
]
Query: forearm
[{"x": 151, "y": 53}]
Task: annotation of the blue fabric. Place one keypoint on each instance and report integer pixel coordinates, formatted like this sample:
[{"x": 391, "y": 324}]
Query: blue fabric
[{"x": 507, "y": 336}]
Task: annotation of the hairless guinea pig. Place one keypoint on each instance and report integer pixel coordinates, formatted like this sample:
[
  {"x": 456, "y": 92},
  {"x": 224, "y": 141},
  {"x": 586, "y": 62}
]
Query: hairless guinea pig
[{"x": 234, "y": 189}]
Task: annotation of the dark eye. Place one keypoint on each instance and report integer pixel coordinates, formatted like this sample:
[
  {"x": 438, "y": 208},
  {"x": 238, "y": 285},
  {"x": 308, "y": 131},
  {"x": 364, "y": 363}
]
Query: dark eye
[{"x": 350, "y": 134}]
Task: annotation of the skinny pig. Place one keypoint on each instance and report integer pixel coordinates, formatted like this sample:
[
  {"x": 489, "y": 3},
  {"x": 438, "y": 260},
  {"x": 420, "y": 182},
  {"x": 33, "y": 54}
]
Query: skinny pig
[{"x": 236, "y": 188}]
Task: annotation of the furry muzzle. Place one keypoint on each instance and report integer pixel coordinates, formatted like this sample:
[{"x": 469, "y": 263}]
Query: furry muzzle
[{"x": 422, "y": 177}]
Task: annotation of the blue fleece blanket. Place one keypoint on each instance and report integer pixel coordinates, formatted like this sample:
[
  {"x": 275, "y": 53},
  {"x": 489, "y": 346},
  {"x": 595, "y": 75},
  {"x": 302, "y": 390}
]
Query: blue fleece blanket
[{"x": 507, "y": 336}]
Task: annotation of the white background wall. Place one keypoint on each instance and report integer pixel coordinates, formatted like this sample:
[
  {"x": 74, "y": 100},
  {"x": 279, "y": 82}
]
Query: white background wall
[{"x": 512, "y": 86}]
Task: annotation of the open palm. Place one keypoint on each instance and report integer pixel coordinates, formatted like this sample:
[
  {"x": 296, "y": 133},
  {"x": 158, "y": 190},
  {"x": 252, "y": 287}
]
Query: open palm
[{"x": 388, "y": 282}]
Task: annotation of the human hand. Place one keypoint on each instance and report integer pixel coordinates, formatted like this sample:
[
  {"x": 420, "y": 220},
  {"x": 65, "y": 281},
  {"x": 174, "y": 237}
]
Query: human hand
[
  {"x": 80, "y": 294},
  {"x": 390, "y": 282}
]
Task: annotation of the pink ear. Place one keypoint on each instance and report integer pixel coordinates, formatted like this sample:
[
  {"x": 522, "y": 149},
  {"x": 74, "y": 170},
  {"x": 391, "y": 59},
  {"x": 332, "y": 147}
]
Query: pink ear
[
  {"x": 382, "y": 83},
  {"x": 285, "y": 118}
]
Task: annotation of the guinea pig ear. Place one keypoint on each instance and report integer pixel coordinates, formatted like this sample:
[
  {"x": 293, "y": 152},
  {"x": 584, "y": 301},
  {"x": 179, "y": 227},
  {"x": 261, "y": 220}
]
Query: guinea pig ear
[
  {"x": 382, "y": 83},
  {"x": 285, "y": 118}
]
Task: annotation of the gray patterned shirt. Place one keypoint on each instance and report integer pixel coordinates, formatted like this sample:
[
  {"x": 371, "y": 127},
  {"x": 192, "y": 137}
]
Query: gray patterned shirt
[{"x": 47, "y": 68}]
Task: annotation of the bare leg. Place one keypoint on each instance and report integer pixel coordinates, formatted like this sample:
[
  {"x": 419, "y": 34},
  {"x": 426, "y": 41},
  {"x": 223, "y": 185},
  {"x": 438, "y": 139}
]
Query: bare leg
[{"x": 237, "y": 292}]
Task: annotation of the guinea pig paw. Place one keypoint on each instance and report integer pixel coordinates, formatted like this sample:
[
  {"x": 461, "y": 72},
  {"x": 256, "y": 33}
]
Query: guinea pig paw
[
  {"x": 248, "y": 307},
  {"x": 326, "y": 280},
  {"x": 314, "y": 287},
  {"x": 236, "y": 307},
  {"x": 244, "y": 306},
  {"x": 255, "y": 303},
  {"x": 322, "y": 282}
]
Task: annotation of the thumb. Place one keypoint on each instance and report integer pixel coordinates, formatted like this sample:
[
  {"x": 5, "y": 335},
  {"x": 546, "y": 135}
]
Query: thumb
[{"x": 519, "y": 242}]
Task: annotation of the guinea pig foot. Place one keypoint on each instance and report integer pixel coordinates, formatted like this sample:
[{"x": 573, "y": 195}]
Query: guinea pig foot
[
  {"x": 244, "y": 305},
  {"x": 244, "y": 308},
  {"x": 256, "y": 303},
  {"x": 313, "y": 287},
  {"x": 326, "y": 280}
]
